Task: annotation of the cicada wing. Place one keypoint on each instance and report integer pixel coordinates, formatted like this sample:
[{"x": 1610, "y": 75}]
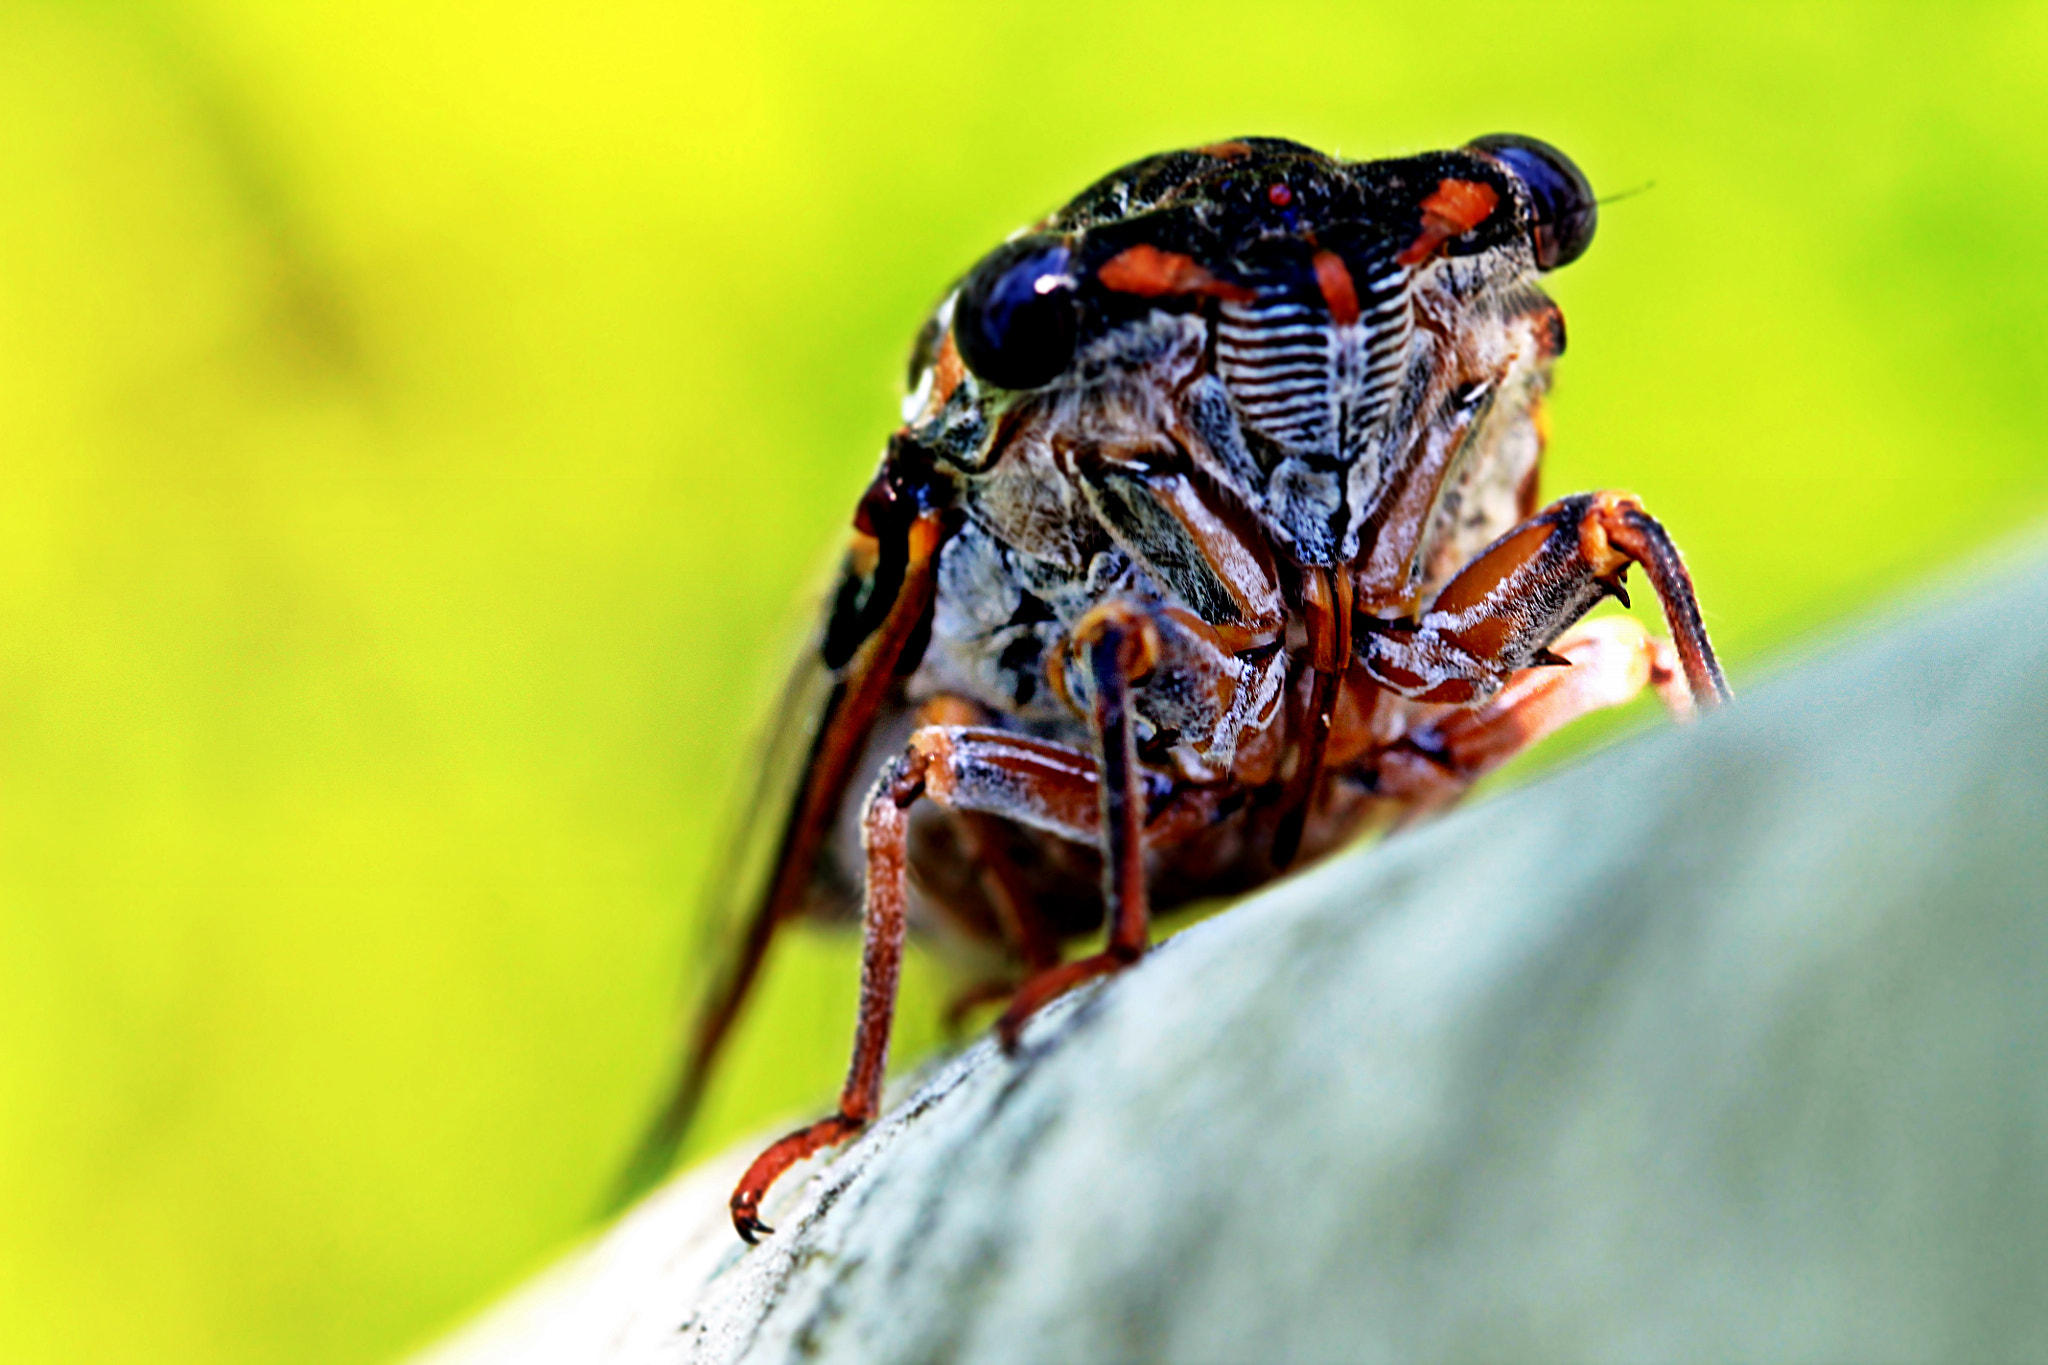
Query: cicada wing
[
  {"x": 809, "y": 760},
  {"x": 745, "y": 897},
  {"x": 783, "y": 783}
]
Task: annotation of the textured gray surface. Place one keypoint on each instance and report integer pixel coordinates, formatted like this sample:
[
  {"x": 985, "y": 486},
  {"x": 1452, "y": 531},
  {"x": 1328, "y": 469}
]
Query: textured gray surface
[{"x": 1728, "y": 1042}]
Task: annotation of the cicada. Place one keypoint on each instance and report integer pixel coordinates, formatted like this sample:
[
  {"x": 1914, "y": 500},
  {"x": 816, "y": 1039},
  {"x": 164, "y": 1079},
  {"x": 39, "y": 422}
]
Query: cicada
[{"x": 1209, "y": 539}]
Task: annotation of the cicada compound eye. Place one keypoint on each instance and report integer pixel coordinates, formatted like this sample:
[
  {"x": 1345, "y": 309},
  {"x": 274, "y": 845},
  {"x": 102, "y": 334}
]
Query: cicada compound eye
[
  {"x": 1019, "y": 318},
  {"x": 1560, "y": 198}
]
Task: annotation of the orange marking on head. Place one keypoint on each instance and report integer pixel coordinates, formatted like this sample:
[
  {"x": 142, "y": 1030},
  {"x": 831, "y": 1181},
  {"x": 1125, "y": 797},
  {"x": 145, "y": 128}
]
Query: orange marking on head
[
  {"x": 1150, "y": 273},
  {"x": 1333, "y": 277},
  {"x": 1424, "y": 246},
  {"x": 1226, "y": 151},
  {"x": 1455, "y": 209},
  {"x": 1462, "y": 204}
]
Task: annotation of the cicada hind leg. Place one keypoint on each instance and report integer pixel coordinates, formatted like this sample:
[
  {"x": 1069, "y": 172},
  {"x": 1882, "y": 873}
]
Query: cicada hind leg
[{"x": 1050, "y": 787}]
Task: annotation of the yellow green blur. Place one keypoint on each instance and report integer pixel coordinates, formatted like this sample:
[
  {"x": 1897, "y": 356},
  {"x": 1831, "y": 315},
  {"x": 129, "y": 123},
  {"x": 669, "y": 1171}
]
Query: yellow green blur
[{"x": 421, "y": 423}]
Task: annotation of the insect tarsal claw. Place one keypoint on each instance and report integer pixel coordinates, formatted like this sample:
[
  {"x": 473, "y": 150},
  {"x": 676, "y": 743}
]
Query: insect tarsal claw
[{"x": 746, "y": 1217}]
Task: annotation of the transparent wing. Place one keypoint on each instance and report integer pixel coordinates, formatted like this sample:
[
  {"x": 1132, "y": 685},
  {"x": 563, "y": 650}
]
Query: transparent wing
[{"x": 807, "y": 762}]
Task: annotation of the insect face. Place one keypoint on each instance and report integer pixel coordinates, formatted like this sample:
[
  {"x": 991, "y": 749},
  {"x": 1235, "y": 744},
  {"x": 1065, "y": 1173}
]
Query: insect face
[{"x": 1333, "y": 299}]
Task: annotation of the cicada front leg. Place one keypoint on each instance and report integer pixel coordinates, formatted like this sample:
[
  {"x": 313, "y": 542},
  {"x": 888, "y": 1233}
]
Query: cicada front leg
[
  {"x": 1120, "y": 645},
  {"x": 1611, "y": 660},
  {"x": 1047, "y": 786},
  {"x": 1502, "y": 611}
]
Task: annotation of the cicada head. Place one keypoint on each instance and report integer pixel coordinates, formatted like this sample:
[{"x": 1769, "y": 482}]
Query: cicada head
[{"x": 1309, "y": 320}]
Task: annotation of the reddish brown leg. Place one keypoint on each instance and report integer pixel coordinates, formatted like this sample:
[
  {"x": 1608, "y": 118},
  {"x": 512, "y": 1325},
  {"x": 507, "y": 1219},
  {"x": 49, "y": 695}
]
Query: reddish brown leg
[
  {"x": 1635, "y": 533},
  {"x": 1501, "y": 611},
  {"x": 1025, "y": 780},
  {"x": 1612, "y": 659},
  {"x": 849, "y": 713},
  {"x": 882, "y": 831},
  {"x": 1120, "y": 645}
]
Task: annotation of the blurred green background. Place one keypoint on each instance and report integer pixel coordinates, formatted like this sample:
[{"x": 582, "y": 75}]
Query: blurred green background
[{"x": 421, "y": 430}]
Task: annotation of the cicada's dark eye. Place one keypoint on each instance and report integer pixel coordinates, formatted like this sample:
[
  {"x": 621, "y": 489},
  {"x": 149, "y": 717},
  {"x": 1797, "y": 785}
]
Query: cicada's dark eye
[
  {"x": 1559, "y": 196},
  {"x": 1018, "y": 317}
]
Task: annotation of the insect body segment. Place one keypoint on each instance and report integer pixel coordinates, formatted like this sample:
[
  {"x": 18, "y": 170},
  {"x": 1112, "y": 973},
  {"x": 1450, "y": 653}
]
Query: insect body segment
[{"x": 1211, "y": 538}]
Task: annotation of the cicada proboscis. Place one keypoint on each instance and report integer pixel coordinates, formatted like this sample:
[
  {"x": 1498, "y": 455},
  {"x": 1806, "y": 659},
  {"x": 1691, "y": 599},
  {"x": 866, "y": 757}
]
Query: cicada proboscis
[{"x": 1210, "y": 537}]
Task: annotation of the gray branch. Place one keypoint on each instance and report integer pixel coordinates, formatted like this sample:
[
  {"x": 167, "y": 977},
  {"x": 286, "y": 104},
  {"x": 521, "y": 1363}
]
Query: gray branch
[{"x": 1727, "y": 1043}]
